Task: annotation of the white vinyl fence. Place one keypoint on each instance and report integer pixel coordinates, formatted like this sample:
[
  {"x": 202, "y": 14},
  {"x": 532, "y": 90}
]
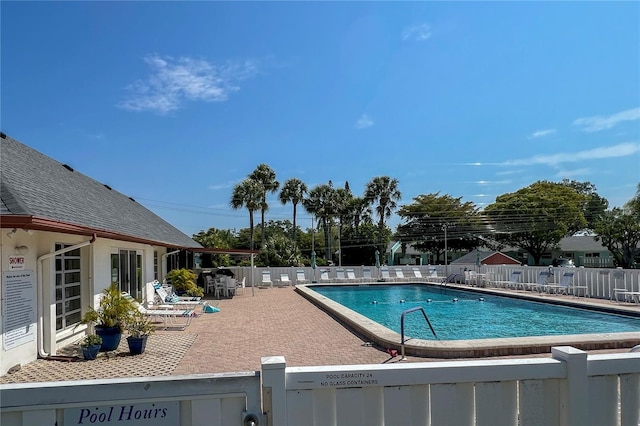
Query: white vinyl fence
[
  {"x": 600, "y": 282},
  {"x": 571, "y": 388}
]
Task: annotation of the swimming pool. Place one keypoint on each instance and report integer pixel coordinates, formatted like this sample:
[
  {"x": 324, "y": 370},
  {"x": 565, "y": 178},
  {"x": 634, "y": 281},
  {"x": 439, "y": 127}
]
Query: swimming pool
[
  {"x": 464, "y": 315},
  {"x": 476, "y": 344}
]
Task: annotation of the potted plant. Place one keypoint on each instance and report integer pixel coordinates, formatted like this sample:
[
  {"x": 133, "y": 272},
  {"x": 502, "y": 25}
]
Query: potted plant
[
  {"x": 139, "y": 328},
  {"x": 183, "y": 281},
  {"x": 91, "y": 346},
  {"x": 113, "y": 311}
]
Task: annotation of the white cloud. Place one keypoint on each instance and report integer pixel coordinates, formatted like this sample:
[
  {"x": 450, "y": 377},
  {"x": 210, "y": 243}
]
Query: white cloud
[
  {"x": 224, "y": 185},
  {"x": 566, "y": 174},
  {"x": 598, "y": 122},
  {"x": 541, "y": 133},
  {"x": 172, "y": 82},
  {"x": 420, "y": 32},
  {"x": 363, "y": 122},
  {"x": 620, "y": 150}
]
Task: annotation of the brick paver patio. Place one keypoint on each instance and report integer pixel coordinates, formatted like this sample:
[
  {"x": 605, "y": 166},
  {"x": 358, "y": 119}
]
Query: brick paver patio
[{"x": 274, "y": 321}]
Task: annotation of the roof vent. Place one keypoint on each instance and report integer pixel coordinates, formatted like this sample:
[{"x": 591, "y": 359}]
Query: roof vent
[
  {"x": 131, "y": 198},
  {"x": 107, "y": 186},
  {"x": 2, "y": 135},
  {"x": 68, "y": 167}
]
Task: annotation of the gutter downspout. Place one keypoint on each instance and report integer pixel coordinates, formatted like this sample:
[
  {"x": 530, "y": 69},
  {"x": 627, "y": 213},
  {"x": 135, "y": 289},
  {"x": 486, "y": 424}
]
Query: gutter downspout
[
  {"x": 163, "y": 264},
  {"x": 40, "y": 290}
]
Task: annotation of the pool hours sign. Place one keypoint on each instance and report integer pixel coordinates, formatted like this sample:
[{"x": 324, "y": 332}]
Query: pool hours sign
[{"x": 152, "y": 413}]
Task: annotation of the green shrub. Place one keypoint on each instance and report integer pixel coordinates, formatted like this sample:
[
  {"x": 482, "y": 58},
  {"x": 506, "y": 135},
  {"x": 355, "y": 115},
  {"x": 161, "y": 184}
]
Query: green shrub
[{"x": 184, "y": 281}]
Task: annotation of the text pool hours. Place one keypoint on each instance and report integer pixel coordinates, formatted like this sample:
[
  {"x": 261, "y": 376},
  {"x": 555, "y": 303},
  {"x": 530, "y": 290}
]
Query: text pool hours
[{"x": 349, "y": 379}]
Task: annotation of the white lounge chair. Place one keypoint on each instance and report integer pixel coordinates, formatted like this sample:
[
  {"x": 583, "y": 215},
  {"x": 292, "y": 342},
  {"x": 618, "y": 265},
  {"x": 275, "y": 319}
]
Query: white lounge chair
[
  {"x": 620, "y": 291},
  {"x": 417, "y": 274},
  {"x": 351, "y": 275},
  {"x": 300, "y": 277},
  {"x": 384, "y": 273},
  {"x": 562, "y": 287},
  {"x": 433, "y": 275},
  {"x": 340, "y": 276},
  {"x": 512, "y": 282},
  {"x": 266, "y": 279},
  {"x": 284, "y": 280},
  {"x": 366, "y": 274},
  {"x": 324, "y": 275},
  {"x": 541, "y": 281},
  {"x": 170, "y": 317},
  {"x": 399, "y": 274},
  {"x": 186, "y": 302}
]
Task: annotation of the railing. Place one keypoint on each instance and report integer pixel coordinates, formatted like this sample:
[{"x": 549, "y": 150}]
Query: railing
[
  {"x": 572, "y": 388},
  {"x": 408, "y": 311}
]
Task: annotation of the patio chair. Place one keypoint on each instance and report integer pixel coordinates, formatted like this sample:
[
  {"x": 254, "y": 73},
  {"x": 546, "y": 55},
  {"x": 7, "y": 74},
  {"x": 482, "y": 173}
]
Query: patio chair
[
  {"x": 541, "y": 281},
  {"x": 384, "y": 273},
  {"x": 562, "y": 287},
  {"x": 366, "y": 274},
  {"x": 170, "y": 317},
  {"x": 240, "y": 285},
  {"x": 620, "y": 289},
  {"x": 399, "y": 274},
  {"x": 187, "y": 302},
  {"x": 433, "y": 275},
  {"x": 467, "y": 278},
  {"x": 324, "y": 275},
  {"x": 417, "y": 274},
  {"x": 351, "y": 275},
  {"x": 230, "y": 288},
  {"x": 266, "y": 279},
  {"x": 300, "y": 277},
  {"x": 512, "y": 282},
  {"x": 284, "y": 281},
  {"x": 340, "y": 276}
]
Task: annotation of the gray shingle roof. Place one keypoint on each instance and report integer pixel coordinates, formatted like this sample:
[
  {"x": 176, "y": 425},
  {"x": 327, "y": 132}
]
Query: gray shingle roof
[{"x": 32, "y": 184}]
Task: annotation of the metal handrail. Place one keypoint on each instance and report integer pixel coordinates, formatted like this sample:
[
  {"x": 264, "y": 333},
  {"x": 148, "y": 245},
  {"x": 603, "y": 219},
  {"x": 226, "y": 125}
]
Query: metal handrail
[{"x": 408, "y": 311}]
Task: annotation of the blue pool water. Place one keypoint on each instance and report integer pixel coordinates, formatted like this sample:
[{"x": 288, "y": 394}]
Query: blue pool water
[{"x": 469, "y": 317}]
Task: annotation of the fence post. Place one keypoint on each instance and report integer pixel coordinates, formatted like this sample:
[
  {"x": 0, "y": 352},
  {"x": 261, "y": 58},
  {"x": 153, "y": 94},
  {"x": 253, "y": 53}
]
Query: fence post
[
  {"x": 274, "y": 395},
  {"x": 573, "y": 390}
]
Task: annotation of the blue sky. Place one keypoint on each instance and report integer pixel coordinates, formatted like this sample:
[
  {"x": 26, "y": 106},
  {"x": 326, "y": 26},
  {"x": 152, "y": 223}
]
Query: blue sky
[{"x": 173, "y": 103}]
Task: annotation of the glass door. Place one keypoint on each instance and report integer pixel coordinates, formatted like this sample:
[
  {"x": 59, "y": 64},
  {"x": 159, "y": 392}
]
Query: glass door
[{"x": 126, "y": 270}]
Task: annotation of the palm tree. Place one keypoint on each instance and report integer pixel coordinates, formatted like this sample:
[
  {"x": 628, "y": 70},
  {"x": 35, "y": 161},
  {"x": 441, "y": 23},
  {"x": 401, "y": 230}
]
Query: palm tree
[
  {"x": 383, "y": 190},
  {"x": 266, "y": 177},
  {"x": 320, "y": 202},
  {"x": 249, "y": 194},
  {"x": 293, "y": 191}
]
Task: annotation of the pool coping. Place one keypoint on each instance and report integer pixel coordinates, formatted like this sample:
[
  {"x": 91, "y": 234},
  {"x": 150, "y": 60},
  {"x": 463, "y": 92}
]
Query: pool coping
[{"x": 382, "y": 336}]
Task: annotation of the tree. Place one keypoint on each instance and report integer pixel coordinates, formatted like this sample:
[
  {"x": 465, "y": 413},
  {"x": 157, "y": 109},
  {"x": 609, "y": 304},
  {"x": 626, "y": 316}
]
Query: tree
[
  {"x": 249, "y": 194},
  {"x": 266, "y": 177},
  {"x": 384, "y": 191},
  {"x": 594, "y": 205},
  {"x": 293, "y": 191},
  {"x": 537, "y": 217},
  {"x": 215, "y": 238},
  {"x": 619, "y": 231},
  {"x": 426, "y": 218},
  {"x": 320, "y": 202},
  {"x": 278, "y": 250}
]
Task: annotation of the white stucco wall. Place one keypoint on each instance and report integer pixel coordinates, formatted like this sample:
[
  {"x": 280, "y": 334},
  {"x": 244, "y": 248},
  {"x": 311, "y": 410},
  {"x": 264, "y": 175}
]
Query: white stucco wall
[{"x": 95, "y": 277}]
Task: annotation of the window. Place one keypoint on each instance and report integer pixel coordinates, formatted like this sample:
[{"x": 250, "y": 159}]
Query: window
[{"x": 68, "y": 285}]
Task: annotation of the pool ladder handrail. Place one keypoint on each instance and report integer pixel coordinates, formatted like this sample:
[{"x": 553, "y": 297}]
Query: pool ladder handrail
[{"x": 408, "y": 311}]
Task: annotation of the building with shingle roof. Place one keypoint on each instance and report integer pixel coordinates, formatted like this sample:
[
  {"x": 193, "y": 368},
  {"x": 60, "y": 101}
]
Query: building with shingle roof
[{"x": 66, "y": 237}]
